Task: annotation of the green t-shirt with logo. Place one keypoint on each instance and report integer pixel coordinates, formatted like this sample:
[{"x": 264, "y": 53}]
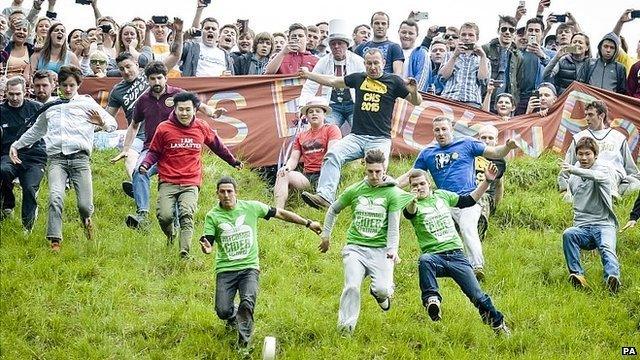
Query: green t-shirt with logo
[
  {"x": 434, "y": 225},
  {"x": 371, "y": 206},
  {"x": 235, "y": 234}
]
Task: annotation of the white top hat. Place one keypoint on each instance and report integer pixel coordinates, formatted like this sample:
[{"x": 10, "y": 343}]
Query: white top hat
[{"x": 339, "y": 30}]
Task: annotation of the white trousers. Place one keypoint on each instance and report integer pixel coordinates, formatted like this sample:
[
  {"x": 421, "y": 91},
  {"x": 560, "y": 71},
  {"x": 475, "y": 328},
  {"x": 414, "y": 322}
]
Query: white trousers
[
  {"x": 467, "y": 220},
  {"x": 360, "y": 262}
]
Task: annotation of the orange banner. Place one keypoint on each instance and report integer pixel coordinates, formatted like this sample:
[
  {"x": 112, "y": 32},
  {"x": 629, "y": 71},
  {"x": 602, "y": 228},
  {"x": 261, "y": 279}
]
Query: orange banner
[{"x": 262, "y": 112}]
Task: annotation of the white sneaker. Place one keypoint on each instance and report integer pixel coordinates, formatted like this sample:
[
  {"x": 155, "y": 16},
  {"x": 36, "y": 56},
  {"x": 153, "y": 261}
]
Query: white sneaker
[{"x": 502, "y": 329}]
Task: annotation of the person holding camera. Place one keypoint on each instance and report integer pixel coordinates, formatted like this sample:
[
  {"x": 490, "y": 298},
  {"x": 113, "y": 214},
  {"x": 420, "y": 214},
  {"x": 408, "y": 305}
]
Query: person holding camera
[{"x": 466, "y": 69}]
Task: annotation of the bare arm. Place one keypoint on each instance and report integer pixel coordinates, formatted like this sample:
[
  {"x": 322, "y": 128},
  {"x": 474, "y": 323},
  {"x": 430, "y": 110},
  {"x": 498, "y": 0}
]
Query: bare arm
[
  {"x": 397, "y": 67},
  {"x": 499, "y": 190},
  {"x": 500, "y": 151},
  {"x": 328, "y": 80},
  {"x": 274, "y": 64},
  {"x": 176, "y": 47},
  {"x": 403, "y": 180},
  {"x": 290, "y": 216},
  {"x": 196, "y": 18},
  {"x": 96, "y": 12},
  {"x": 293, "y": 161},
  {"x": 486, "y": 103},
  {"x": 413, "y": 97},
  {"x": 447, "y": 70}
]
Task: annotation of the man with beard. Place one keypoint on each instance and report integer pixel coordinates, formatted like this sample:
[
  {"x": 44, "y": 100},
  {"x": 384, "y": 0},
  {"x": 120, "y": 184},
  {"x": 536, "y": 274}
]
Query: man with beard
[
  {"x": 154, "y": 107},
  {"x": 504, "y": 59},
  {"x": 44, "y": 82},
  {"x": 124, "y": 95},
  {"x": 340, "y": 62},
  {"x": 16, "y": 113},
  {"x": 204, "y": 57},
  {"x": 391, "y": 52}
]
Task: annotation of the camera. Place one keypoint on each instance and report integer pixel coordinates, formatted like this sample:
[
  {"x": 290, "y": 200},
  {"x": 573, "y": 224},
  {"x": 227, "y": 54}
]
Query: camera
[
  {"x": 105, "y": 28},
  {"x": 635, "y": 14},
  {"x": 197, "y": 33},
  {"x": 421, "y": 15},
  {"x": 160, "y": 20},
  {"x": 84, "y": 2},
  {"x": 442, "y": 29},
  {"x": 561, "y": 18},
  {"x": 468, "y": 46}
]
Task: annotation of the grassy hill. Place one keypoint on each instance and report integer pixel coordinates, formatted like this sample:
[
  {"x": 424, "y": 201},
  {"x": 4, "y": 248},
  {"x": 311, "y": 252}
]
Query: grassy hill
[{"x": 126, "y": 295}]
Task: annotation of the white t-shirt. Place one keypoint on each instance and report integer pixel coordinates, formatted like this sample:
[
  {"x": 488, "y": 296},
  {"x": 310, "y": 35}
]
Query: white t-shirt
[
  {"x": 212, "y": 61},
  {"x": 405, "y": 64}
]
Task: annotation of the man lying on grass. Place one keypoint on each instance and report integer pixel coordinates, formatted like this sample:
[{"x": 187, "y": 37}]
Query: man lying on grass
[
  {"x": 177, "y": 147},
  {"x": 594, "y": 221},
  {"x": 232, "y": 225},
  {"x": 372, "y": 238},
  {"x": 441, "y": 246}
]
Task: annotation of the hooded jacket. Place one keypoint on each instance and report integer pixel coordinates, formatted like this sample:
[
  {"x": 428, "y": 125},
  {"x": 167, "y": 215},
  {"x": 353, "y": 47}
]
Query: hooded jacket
[
  {"x": 177, "y": 149},
  {"x": 606, "y": 74}
]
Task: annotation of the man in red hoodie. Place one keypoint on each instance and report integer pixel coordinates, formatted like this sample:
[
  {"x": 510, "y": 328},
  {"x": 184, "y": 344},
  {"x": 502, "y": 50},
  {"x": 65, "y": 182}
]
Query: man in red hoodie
[{"x": 176, "y": 148}]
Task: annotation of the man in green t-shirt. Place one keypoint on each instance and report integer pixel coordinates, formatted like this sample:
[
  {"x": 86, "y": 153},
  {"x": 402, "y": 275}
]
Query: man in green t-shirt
[
  {"x": 441, "y": 246},
  {"x": 372, "y": 238},
  {"x": 232, "y": 226}
]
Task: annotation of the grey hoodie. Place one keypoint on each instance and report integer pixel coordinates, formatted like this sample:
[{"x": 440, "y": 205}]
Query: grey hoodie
[
  {"x": 609, "y": 75},
  {"x": 592, "y": 202}
]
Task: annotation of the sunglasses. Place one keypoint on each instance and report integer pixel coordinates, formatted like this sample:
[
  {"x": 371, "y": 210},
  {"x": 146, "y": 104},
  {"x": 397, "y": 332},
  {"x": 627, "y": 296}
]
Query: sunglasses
[
  {"x": 450, "y": 36},
  {"x": 509, "y": 29},
  {"x": 95, "y": 62}
]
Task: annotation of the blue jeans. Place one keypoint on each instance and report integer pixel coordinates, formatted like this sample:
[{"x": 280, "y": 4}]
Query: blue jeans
[
  {"x": 77, "y": 168},
  {"x": 455, "y": 265},
  {"x": 141, "y": 183},
  {"x": 594, "y": 237},
  {"x": 340, "y": 113},
  {"x": 349, "y": 148}
]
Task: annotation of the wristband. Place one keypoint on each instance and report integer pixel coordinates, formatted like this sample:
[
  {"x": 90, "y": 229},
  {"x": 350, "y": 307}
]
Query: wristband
[{"x": 308, "y": 223}]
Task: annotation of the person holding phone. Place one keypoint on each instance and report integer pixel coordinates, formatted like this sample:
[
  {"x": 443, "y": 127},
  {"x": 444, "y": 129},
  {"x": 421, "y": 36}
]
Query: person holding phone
[
  {"x": 542, "y": 99},
  {"x": 622, "y": 56},
  {"x": 425, "y": 62},
  {"x": 505, "y": 61},
  {"x": 202, "y": 56},
  {"x": 467, "y": 69},
  {"x": 294, "y": 55},
  {"x": 534, "y": 59},
  {"x": 566, "y": 65}
]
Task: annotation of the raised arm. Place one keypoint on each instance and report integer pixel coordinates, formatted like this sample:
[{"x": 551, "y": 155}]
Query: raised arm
[
  {"x": 413, "y": 97},
  {"x": 500, "y": 151},
  {"x": 198, "y": 15},
  {"x": 327, "y": 80},
  {"x": 96, "y": 12},
  {"x": 447, "y": 70},
  {"x": 176, "y": 47}
]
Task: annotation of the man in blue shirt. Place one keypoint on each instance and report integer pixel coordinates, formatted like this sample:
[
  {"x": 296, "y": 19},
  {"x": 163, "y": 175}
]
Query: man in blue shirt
[
  {"x": 450, "y": 161},
  {"x": 391, "y": 52}
]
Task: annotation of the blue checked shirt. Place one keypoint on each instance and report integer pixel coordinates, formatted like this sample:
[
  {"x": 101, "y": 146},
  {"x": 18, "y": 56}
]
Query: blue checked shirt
[{"x": 463, "y": 85}]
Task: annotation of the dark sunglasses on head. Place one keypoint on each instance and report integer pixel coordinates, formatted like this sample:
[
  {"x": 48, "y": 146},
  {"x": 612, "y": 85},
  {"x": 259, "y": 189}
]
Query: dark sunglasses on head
[
  {"x": 509, "y": 29},
  {"x": 450, "y": 36},
  {"x": 97, "y": 61}
]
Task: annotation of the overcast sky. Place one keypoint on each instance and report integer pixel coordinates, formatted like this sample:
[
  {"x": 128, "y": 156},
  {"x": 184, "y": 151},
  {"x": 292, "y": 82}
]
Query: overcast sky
[{"x": 596, "y": 17}]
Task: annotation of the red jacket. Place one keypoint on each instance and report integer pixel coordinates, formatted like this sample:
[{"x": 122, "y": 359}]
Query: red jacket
[{"x": 177, "y": 148}]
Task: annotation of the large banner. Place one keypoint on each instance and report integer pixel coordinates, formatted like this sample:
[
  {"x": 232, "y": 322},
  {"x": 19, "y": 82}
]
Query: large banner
[{"x": 262, "y": 116}]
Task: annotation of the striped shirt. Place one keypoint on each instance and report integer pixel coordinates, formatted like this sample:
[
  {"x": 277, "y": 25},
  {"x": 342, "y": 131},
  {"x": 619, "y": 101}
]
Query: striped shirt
[{"x": 463, "y": 85}]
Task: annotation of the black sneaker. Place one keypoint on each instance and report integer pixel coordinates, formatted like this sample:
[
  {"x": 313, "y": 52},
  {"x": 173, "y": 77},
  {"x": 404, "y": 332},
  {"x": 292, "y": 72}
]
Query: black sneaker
[
  {"x": 127, "y": 187},
  {"x": 433, "y": 308},
  {"x": 138, "y": 221},
  {"x": 613, "y": 283}
]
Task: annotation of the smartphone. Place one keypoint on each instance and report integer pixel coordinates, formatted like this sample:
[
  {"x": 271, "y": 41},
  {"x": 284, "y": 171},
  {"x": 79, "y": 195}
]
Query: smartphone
[
  {"x": 206, "y": 2},
  {"x": 160, "y": 20},
  {"x": 561, "y": 18},
  {"x": 498, "y": 83},
  {"x": 105, "y": 28},
  {"x": 523, "y": 3},
  {"x": 421, "y": 15},
  {"x": 84, "y": 2},
  {"x": 468, "y": 46},
  {"x": 635, "y": 14},
  {"x": 532, "y": 39},
  {"x": 571, "y": 49},
  {"x": 442, "y": 29},
  {"x": 536, "y": 94},
  {"x": 243, "y": 25},
  {"x": 197, "y": 33}
]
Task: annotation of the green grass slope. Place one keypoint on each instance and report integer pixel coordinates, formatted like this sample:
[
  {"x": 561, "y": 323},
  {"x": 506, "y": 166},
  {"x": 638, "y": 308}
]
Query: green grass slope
[{"x": 126, "y": 295}]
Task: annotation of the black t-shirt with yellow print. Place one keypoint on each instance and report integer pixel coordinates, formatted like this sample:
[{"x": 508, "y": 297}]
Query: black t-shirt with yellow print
[{"x": 374, "y": 102}]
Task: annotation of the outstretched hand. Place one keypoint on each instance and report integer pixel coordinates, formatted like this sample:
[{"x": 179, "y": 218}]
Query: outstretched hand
[
  {"x": 117, "y": 158},
  {"x": 316, "y": 227},
  {"x": 629, "y": 225},
  {"x": 95, "y": 118}
]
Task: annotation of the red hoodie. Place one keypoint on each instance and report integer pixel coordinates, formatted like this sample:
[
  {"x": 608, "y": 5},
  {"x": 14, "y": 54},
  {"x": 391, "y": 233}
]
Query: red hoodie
[{"x": 177, "y": 148}]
